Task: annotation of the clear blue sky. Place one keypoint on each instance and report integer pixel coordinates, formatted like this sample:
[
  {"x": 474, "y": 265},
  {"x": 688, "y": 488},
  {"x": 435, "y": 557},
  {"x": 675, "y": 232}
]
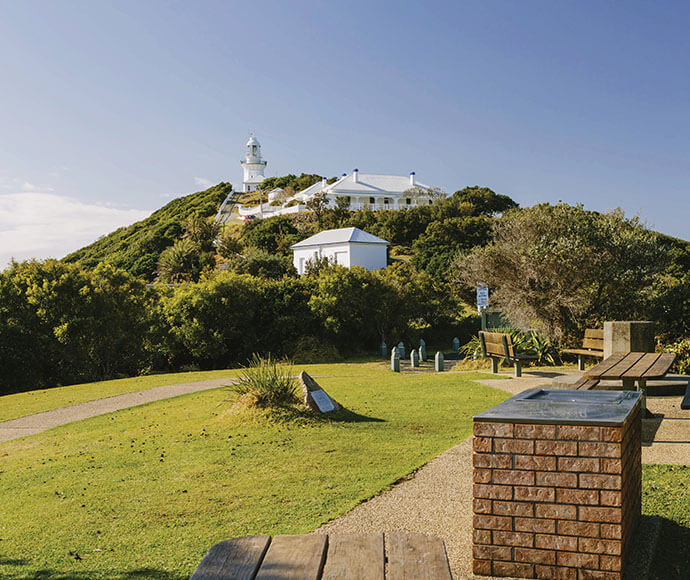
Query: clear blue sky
[{"x": 109, "y": 108}]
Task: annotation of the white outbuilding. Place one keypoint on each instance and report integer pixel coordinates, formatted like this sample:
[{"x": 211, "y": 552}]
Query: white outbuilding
[{"x": 345, "y": 246}]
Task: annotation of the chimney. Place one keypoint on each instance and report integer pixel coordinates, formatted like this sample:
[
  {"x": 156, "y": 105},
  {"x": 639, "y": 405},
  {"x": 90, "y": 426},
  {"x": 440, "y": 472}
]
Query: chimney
[
  {"x": 412, "y": 178},
  {"x": 355, "y": 175},
  {"x": 323, "y": 183}
]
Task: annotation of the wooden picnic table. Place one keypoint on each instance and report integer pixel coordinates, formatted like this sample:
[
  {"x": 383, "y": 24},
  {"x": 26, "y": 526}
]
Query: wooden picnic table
[
  {"x": 632, "y": 367},
  {"x": 397, "y": 556}
]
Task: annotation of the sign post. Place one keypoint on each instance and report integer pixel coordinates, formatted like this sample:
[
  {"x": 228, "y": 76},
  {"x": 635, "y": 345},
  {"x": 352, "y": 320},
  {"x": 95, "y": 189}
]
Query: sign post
[{"x": 482, "y": 297}]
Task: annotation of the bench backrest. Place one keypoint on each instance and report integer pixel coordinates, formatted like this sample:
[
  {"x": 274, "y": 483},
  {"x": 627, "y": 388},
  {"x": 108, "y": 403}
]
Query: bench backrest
[
  {"x": 497, "y": 344},
  {"x": 594, "y": 339}
]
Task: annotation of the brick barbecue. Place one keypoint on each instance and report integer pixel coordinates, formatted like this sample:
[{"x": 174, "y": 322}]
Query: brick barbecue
[{"x": 557, "y": 485}]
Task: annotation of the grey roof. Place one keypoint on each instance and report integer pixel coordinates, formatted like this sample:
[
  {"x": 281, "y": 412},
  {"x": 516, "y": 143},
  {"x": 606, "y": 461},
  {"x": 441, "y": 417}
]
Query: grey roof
[{"x": 340, "y": 236}]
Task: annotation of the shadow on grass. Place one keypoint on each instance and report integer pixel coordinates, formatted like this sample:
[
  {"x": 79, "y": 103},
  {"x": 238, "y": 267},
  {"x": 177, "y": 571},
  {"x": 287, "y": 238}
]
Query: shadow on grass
[
  {"x": 344, "y": 415},
  {"x": 672, "y": 557},
  {"x": 299, "y": 414}
]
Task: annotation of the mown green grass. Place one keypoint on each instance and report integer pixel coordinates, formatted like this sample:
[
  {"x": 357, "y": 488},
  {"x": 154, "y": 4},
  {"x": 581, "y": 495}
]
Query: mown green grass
[
  {"x": 143, "y": 493},
  {"x": 21, "y": 404},
  {"x": 666, "y": 493}
]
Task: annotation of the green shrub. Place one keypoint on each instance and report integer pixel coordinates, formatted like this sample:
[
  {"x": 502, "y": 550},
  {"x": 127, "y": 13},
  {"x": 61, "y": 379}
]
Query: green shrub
[
  {"x": 311, "y": 349},
  {"x": 267, "y": 384},
  {"x": 682, "y": 350}
]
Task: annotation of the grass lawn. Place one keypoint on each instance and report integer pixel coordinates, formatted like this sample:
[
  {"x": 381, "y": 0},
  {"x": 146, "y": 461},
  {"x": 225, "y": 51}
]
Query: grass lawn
[
  {"x": 666, "y": 493},
  {"x": 144, "y": 492},
  {"x": 21, "y": 404}
]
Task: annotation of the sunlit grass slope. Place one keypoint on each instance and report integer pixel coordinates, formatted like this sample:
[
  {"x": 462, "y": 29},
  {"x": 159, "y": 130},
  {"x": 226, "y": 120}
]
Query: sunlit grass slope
[
  {"x": 143, "y": 493},
  {"x": 21, "y": 404}
]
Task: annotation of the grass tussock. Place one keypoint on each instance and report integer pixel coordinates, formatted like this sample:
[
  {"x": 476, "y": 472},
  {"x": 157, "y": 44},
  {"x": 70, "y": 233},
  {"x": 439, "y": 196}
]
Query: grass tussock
[{"x": 266, "y": 384}]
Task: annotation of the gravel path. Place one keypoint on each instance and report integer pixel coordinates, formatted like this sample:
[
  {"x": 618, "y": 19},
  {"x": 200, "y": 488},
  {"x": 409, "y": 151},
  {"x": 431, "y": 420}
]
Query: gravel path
[{"x": 48, "y": 419}]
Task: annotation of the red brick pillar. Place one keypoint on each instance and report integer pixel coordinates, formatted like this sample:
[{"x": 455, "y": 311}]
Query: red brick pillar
[{"x": 555, "y": 501}]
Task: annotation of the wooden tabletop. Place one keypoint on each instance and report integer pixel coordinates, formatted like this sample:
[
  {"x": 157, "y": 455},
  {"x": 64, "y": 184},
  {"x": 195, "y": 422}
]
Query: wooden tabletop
[
  {"x": 396, "y": 556},
  {"x": 633, "y": 366}
]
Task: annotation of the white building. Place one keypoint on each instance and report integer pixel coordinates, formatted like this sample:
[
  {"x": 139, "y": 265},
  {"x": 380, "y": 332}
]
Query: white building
[
  {"x": 346, "y": 246},
  {"x": 253, "y": 165},
  {"x": 362, "y": 190}
]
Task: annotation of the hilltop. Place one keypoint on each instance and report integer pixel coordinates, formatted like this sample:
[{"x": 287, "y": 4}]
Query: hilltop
[{"x": 137, "y": 248}]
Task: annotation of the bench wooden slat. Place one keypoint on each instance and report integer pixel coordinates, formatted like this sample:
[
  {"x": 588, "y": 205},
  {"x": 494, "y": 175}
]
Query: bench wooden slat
[
  {"x": 354, "y": 557},
  {"x": 522, "y": 356},
  {"x": 584, "y": 352},
  {"x": 593, "y": 343},
  {"x": 597, "y": 371},
  {"x": 299, "y": 557},
  {"x": 660, "y": 367},
  {"x": 416, "y": 556},
  {"x": 595, "y": 334},
  {"x": 238, "y": 558}
]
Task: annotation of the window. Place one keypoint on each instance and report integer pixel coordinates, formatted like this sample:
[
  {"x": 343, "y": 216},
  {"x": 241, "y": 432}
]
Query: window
[
  {"x": 408, "y": 201},
  {"x": 371, "y": 200}
]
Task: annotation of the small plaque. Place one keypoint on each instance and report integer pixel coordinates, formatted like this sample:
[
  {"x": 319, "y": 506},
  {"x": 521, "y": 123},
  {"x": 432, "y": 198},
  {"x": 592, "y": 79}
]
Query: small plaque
[{"x": 322, "y": 400}]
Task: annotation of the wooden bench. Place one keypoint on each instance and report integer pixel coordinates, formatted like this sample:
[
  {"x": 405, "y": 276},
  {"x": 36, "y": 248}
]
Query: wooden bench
[
  {"x": 592, "y": 345},
  {"x": 499, "y": 345},
  {"x": 395, "y": 556}
]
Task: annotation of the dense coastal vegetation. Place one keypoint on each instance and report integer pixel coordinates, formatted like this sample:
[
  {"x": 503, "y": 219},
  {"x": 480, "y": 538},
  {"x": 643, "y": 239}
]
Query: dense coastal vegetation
[{"x": 234, "y": 292}]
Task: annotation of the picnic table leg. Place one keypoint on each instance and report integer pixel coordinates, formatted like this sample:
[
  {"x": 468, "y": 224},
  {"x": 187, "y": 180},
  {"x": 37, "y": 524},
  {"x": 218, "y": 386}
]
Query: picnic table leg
[
  {"x": 628, "y": 385},
  {"x": 642, "y": 386}
]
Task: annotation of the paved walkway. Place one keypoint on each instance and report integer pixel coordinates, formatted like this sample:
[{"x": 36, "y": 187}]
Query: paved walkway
[
  {"x": 48, "y": 419},
  {"x": 438, "y": 499}
]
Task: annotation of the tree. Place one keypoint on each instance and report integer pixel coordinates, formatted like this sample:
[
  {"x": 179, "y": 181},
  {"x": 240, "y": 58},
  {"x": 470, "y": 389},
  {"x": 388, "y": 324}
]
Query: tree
[
  {"x": 227, "y": 317},
  {"x": 358, "y": 308},
  {"x": 273, "y": 235},
  {"x": 179, "y": 262},
  {"x": 435, "y": 250},
  {"x": 262, "y": 264},
  {"x": 559, "y": 268},
  {"x": 202, "y": 231},
  {"x": 483, "y": 201},
  {"x": 61, "y": 324},
  {"x": 318, "y": 203}
]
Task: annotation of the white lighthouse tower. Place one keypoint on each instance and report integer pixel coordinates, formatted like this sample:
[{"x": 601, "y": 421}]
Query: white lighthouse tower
[{"x": 253, "y": 165}]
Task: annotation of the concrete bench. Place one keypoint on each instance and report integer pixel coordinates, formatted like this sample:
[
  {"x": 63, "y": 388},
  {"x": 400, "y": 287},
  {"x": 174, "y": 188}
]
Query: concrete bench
[
  {"x": 499, "y": 346},
  {"x": 592, "y": 345},
  {"x": 395, "y": 556}
]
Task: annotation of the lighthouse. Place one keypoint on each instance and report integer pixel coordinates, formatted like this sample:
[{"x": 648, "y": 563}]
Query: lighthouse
[{"x": 252, "y": 165}]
